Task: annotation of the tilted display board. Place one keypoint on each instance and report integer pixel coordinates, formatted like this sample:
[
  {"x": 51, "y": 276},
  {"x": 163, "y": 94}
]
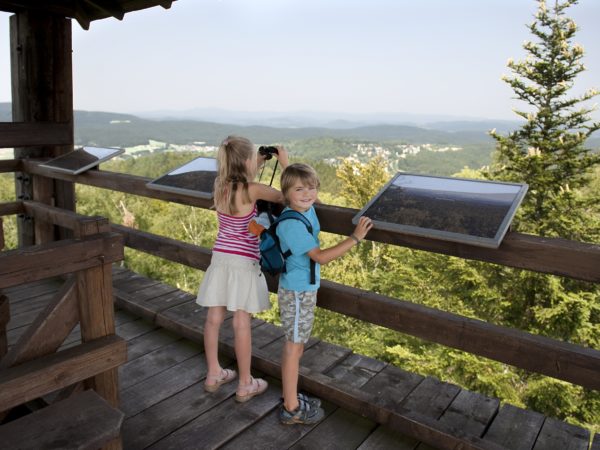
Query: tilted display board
[
  {"x": 196, "y": 178},
  {"x": 81, "y": 159},
  {"x": 474, "y": 212}
]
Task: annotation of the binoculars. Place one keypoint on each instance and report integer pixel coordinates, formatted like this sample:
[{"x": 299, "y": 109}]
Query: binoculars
[{"x": 267, "y": 151}]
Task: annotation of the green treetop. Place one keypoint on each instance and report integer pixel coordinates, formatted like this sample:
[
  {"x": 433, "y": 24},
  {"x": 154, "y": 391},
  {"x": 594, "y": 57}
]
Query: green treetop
[{"x": 548, "y": 152}]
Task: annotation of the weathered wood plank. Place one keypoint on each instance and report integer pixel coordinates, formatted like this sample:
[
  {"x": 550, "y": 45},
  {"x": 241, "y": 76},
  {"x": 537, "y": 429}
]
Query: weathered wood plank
[
  {"x": 131, "y": 282},
  {"x": 4, "y": 318},
  {"x": 269, "y": 433},
  {"x": 9, "y": 165},
  {"x": 323, "y": 356},
  {"x": 57, "y": 258},
  {"x": 30, "y": 290},
  {"x": 515, "y": 428},
  {"x": 470, "y": 412},
  {"x": 341, "y": 430},
  {"x": 84, "y": 420},
  {"x": 29, "y": 134},
  {"x": 35, "y": 378},
  {"x": 356, "y": 370},
  {"x": 171, "y": 414},
  {"x": 156, "y": 361},
  {"x": 215, "y": 428},
  {"x": 265, "y": 334},
  {"x": 391, "y": 385},
  {"x": 82, "y": 225},
  {"x": 149, "y": 342},
  {"x": 430, "y": 398},
  {"x": 596, "y": 442},
  {"x": 165, "y": 384},
  {"x": 10, "y": 208},
  {"x": 557, "y": 435},
  {"x": 50, "y": 328},
  {"x": 187, "y": 320},
  {"x": 385, "y": 438}
]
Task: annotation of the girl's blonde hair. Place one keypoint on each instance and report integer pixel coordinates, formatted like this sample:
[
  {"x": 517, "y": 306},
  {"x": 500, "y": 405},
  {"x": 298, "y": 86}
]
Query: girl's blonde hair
[
  {"x": 232, "y": 158},
  {"x": 298, "y": 171}
]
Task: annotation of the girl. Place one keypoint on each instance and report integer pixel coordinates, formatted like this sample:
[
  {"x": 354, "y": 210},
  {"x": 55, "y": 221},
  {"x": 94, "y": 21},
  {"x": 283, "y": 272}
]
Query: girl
[{"x": 233, "y": 281}]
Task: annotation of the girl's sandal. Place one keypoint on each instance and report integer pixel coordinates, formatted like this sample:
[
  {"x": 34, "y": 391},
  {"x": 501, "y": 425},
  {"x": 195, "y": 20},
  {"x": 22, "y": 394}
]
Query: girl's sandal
[
  {"x": 225, "y": 376},
  {"x": 246, "y": 391}
]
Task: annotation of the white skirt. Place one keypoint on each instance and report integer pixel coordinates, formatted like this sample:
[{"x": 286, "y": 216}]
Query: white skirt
[{"x": 234, "y": 282}]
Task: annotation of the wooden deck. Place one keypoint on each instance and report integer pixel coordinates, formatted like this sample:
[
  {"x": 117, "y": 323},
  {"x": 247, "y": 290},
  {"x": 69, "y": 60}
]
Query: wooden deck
[{"x": 165, "y": 405}]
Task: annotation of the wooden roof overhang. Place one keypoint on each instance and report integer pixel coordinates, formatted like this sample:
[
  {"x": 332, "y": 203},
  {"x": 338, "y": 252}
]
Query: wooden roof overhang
[{"x": 84, "y": 11}]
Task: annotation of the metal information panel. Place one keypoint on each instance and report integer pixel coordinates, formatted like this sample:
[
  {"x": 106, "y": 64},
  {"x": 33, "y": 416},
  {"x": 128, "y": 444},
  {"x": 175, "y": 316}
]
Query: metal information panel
[
  {"x": 463, "y": 210},
  {"x": 196, "y": 178},
  {"x": 81, "y": 159}
]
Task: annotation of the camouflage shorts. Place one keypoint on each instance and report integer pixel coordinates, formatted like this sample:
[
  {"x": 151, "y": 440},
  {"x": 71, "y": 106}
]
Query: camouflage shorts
[{"x": 297, "y": 313}]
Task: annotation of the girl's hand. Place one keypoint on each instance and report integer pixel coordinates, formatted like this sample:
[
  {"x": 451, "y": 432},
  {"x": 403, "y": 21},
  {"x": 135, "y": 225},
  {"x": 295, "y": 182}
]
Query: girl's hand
[
  {"x": 282, "y": 156},
  {"x": 363, "y": 227}
]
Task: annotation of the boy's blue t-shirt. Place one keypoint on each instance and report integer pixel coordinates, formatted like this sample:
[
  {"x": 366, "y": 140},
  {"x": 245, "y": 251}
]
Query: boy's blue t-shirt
[{"x": 294, "y": 235}]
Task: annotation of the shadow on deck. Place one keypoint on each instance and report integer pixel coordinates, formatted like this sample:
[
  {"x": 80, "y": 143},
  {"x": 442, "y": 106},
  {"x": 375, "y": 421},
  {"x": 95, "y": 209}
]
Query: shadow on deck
[{"x": 165, "y": 405}]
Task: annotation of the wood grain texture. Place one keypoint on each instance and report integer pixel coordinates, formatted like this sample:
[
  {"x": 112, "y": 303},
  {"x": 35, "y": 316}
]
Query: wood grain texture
[
  {"x": 82, "y": 421},
  {"x": 36, "y": 378}
]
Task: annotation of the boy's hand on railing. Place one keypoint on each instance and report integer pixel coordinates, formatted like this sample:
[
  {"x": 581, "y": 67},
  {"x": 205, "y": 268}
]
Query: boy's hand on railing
[{"x": 363, "y": 227}]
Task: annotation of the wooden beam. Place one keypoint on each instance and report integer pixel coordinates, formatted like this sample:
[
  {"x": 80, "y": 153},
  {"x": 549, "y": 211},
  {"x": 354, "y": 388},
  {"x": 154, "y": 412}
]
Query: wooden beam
[
  {"x": 10, "y": 165},
  {"x": 163, "y": 247},
  {"x": 8, "y": 209},
  {"x": 49, "y": 373},
  {"x": 539, "y": 354},
  {"x": 48, "y": 331},
  {"x": 80, "y": 224},
  {"x": 555, "y": 256},
  {"x": 57, "y": 258},
  {"x": 23, "y": 134},
  {"x": 4, "y": 319}
]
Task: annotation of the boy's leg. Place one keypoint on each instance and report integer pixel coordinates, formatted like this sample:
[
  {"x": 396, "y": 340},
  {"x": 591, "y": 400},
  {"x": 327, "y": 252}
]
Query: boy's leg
[
  {"x": 243, "y": 344},
  {"x": 290, "y": 365},
  {"x": 214, "y": 319}
]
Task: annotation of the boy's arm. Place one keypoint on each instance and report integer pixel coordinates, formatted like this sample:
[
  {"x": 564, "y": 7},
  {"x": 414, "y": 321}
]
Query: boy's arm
[{"x": 329, "y": 254}]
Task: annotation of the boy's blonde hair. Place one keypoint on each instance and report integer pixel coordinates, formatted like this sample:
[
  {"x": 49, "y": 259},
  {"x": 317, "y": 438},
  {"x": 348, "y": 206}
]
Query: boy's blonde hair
[
  {"x": 298, "y": 171},
  {"x": 232, "y": 156}
]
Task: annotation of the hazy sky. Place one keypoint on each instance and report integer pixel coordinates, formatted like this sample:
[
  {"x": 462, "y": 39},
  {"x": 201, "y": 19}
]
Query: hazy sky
[{"x": 405, "y": 56}]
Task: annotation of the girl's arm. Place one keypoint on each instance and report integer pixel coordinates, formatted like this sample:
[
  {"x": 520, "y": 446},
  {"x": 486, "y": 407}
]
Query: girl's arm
[
  {"x": 259, "y": 191},
  {"x": 329, "y": 254}
]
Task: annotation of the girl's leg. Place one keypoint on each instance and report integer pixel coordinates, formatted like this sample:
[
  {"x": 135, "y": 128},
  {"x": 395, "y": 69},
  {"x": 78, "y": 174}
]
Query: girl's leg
[
  {"x": 290, "y": 365},
  {"x": 243, "y": 345},
  {"x": 214, "y": 319}
]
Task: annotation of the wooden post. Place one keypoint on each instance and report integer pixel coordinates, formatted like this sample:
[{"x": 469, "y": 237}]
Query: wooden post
[
  {"x": 1, "y": 234},
  {"x": 42, "y": 91},
  {"x": 4, "y": 318}
]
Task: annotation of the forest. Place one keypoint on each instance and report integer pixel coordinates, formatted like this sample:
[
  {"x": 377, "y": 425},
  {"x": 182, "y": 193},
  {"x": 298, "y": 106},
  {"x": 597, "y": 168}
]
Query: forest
[{"x": 550, "y": 152}]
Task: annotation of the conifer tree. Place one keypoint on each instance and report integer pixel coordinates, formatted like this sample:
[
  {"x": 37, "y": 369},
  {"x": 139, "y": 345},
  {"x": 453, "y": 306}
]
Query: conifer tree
[{"x": 548, "y": 152}]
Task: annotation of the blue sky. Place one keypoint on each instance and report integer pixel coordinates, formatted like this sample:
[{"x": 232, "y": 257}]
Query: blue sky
[{"x": 394, "y": 56}]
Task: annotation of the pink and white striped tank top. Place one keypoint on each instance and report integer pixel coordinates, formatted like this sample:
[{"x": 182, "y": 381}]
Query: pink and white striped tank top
[{"x": 233, "y": 236}]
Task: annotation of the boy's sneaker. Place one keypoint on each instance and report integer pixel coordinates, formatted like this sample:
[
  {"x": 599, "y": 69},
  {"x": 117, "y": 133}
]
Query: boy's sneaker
[
  {"x": 312, "y": 401},
  {"x": 305, "y": 413}
]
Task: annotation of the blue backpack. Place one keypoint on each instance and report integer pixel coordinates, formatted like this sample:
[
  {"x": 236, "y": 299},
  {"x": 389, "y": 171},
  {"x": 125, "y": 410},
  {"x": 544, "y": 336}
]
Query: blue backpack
[{"x": 272, "y": 259}]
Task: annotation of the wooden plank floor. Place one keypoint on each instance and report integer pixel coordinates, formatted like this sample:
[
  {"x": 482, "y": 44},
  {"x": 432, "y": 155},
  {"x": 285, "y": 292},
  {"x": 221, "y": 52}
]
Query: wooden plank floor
[{"x": 165, "y": 405}]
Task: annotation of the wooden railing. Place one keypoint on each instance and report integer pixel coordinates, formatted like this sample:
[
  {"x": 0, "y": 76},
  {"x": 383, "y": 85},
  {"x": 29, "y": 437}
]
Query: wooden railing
[
  {"x": 32, "y": 367},
  {"x": 539, "y": 354}
]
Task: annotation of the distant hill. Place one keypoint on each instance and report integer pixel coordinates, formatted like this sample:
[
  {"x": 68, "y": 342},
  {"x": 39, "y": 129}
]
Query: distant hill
[{"x": 127, "y": 130}]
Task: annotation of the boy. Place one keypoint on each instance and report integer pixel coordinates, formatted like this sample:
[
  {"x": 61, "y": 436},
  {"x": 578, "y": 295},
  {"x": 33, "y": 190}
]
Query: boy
[{"x": 297, "y": 293}]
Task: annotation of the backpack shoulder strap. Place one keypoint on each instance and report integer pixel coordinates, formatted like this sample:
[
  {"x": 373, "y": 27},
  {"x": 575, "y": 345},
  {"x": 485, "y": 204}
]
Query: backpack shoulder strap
[{"x": 291, "y": 214}]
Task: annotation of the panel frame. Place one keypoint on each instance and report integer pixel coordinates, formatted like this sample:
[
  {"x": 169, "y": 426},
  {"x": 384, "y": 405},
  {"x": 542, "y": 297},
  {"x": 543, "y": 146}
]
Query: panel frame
[
  {"x": 448, "y": 235},
  {"x": 48, "y": 164},
  {"x": 175, "y": 190}
]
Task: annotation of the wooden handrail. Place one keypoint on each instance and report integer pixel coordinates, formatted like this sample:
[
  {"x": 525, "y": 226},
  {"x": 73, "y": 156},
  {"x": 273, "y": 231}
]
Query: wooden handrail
[
  {"x": 555, "y": 256},
  {"x": 539, "y": 354},
  {"x": 38, "y": 262},
  {"x": 10, "y": 165}
]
